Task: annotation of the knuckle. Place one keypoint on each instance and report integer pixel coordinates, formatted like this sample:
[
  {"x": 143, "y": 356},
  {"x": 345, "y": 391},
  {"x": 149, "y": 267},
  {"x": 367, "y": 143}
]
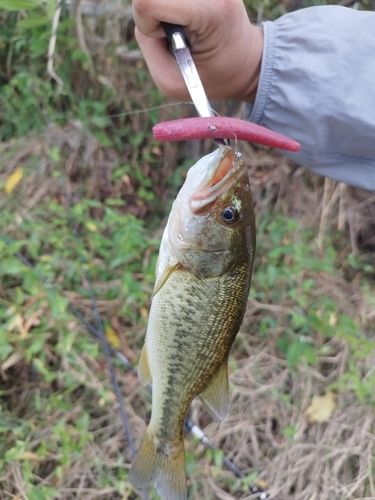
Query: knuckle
[{"x": 143, "y": 7}]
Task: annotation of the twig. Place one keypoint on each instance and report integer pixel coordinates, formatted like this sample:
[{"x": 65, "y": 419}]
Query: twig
[
  {"x": 270, "y": 307},
  {"x": 352, "y": 221},
  {"x": 327, "y": 184},
  {"x": 348, "y": 3},
  {"x": 76, "y": 14},
  {"x": 52, "y": 45},
  {"x": 342, "y": 206},
  {"x": 327, "y": 205}
]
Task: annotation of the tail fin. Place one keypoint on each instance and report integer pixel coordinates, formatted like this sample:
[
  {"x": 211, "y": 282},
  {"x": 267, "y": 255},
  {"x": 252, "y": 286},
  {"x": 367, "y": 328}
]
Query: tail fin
[{"x": 164, "y": 471}]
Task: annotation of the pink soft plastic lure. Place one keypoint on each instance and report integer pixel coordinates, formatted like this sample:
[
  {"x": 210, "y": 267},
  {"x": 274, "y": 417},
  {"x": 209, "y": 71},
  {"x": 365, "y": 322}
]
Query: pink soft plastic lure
[{"x": 221, "y": 127}]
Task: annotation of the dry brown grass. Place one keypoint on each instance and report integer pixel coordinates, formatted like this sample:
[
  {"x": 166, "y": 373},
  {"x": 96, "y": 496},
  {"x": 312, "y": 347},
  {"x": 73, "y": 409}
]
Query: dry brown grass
[
  {"x": 321, "y": 461},
  {"x": 332, "y": 460}
]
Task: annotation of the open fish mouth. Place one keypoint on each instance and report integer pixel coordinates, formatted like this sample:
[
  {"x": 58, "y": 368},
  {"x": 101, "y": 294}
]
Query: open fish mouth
[{"x": 228, "y": 171}]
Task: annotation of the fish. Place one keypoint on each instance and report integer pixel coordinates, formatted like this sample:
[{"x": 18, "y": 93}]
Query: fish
[{"x": 203, "y": 276}]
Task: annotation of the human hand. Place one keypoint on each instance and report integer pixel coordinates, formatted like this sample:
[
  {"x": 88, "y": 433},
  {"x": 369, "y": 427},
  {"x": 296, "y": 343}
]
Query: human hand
[{"x": 226, "y": 48}]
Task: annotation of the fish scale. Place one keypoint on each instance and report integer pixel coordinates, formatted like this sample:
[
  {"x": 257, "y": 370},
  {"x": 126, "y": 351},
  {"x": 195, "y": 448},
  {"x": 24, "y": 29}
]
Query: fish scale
[{"x": 193, "y": 336}]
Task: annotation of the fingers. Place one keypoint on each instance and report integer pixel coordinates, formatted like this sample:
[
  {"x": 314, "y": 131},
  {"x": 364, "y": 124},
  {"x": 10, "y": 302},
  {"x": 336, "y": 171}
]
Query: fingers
[
  {"x": 148, "y": 14},
  {"x": 225, "y": 47},
  {"x": 146, "y": 23},
  {"x": 162, "y": 66}
]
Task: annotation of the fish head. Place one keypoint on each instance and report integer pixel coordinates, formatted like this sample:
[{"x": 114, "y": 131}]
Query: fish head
[{"x": 212, "y": 223}]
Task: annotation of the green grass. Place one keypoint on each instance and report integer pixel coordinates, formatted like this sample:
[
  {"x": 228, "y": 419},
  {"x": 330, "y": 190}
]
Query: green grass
[{"x": 56, "y": 416}]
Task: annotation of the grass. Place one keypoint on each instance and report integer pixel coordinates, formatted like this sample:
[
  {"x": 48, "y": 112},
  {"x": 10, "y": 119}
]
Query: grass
[{"x": 88, "y": 166}]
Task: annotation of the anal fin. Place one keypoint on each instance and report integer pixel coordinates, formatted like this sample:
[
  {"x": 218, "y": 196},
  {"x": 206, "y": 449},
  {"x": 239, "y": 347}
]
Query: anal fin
[{"x": 215, "y": 396}]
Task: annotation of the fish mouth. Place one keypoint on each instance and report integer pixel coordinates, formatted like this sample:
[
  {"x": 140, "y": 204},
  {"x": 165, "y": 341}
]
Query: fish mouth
[{"x": 225, "y": 175}]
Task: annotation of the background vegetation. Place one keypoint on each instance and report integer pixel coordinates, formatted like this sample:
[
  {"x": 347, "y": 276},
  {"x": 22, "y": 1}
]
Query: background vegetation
[{"x": 84, "y": 193}]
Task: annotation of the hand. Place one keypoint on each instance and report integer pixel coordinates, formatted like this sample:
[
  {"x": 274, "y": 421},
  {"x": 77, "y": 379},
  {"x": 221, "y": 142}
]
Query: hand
[{"x": 226, "y": 48}]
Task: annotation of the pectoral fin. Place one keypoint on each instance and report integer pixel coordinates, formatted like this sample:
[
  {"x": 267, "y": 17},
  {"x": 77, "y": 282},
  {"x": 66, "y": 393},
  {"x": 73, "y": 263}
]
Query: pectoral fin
[
  {"x": 215, "y": 397},
  {"x": 164, "y": 277},
  {"x": 143, "y": 368}
]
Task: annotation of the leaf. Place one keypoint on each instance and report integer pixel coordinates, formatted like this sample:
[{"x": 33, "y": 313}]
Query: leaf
[
  {"x": 91, "y": 226},
  {"x": 144, "y": 312},
  {"x": 29, "y": 455},
  {"x": 34, "y": 320},
  {"x": 293, "y": 353},
  {"x": 112, "y": 337},
  {"x": 100, "y": 121},
  {"x": 332, "y": 319},
  {"x": 33, "y": 21},
  {"x": 24, "y": 326},
  {"x": 13, "y": 180},
  {"x": 218, "y": 458},
  {"x": 260, "y": 483},
  {"x": 35, "y": 493},
  {"x": 19, "y": 4},
  {"x": 11, "y": 361},
  {"x": 55, "y": 154},
  {"x": 51, "y": 8},
  {"x": 321, "y": 408},
  {"x": 103, "y": 139}
]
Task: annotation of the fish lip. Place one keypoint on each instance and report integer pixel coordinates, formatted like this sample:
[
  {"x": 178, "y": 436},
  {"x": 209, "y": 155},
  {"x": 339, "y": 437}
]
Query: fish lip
[{"x": 201, "y": 202}]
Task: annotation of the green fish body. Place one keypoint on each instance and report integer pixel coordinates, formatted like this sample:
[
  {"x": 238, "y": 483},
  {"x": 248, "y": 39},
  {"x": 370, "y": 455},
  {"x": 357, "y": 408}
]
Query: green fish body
[{"x": 202, "y": 283}]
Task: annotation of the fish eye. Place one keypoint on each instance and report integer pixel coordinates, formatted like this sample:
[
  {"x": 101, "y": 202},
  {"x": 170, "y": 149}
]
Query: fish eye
[{"x": 229, "y": 215}]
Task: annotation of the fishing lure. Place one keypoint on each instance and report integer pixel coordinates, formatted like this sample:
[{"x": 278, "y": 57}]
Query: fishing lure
[{"x": 216, "y": 127}]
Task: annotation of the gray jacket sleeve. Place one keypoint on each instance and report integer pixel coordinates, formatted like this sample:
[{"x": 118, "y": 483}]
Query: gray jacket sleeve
[{"x": 317, "y": 86}]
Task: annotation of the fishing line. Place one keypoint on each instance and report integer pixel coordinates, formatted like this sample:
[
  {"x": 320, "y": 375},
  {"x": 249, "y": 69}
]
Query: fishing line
[
  {"x": 259, "y": 493},
  {"x": 154, "y": 108}
]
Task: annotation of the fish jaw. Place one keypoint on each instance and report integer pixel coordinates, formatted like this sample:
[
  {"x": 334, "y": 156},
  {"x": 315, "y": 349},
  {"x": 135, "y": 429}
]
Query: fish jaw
[
  {"x": 203, "y": 172},
  {"x": 220, "y": 180},
  {"x": 197, "y": 236}
]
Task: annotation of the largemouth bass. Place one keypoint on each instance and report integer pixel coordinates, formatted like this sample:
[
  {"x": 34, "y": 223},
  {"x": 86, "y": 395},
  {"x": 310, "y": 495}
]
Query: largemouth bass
[{"x": 202, "y": 282}]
